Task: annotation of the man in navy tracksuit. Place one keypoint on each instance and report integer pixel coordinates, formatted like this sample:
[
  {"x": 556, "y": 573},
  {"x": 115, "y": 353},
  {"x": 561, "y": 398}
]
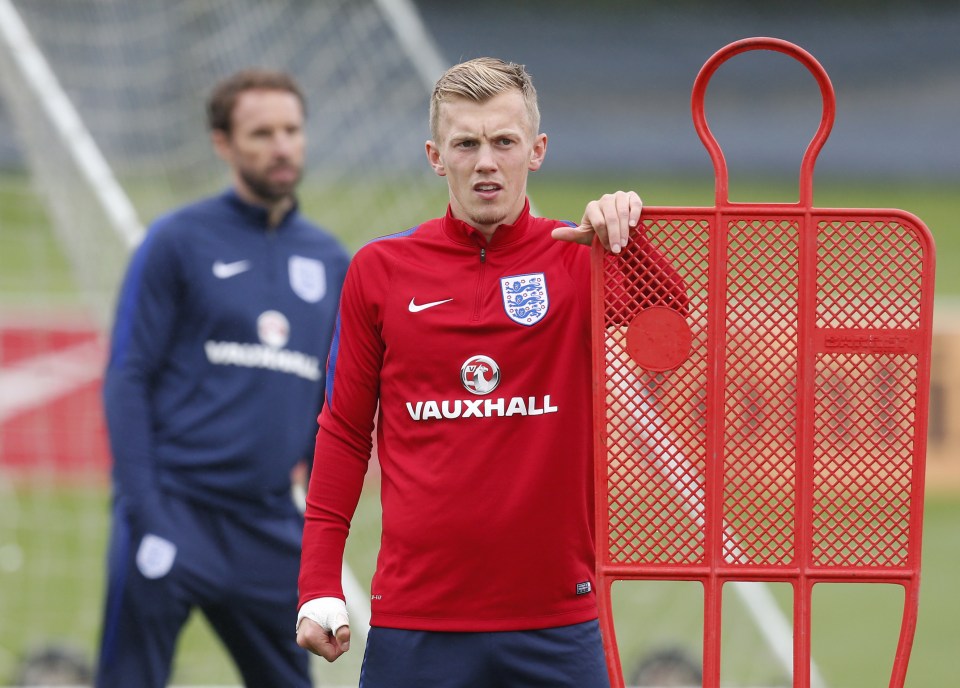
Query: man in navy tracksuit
[{"x": 212, "y": 392}]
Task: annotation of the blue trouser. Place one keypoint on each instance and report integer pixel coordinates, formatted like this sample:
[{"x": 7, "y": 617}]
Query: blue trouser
[
  {"x": 240, "y": 571},
  {"x": 563, "y": 657}
]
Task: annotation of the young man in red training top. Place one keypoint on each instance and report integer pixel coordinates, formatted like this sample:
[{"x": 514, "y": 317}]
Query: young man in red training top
[{"x": 471, "y": 335}]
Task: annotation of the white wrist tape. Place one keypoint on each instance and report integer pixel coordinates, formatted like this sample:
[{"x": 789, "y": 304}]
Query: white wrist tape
[{"x": 329, "y": 612}]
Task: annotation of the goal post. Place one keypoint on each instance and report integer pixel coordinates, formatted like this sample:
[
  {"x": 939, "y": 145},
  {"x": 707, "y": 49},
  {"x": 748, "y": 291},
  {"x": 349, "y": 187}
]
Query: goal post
[{"x": 77, "y": 184}]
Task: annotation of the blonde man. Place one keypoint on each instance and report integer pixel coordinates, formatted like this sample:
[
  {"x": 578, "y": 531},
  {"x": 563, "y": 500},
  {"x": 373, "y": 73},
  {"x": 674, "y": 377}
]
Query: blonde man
[{"x": 471, "y": 334}]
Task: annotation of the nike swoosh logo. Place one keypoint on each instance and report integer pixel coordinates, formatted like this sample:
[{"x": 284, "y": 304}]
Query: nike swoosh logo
[
  {"x": 416, "y": 308},
  {"x": 227, "y": 270}
]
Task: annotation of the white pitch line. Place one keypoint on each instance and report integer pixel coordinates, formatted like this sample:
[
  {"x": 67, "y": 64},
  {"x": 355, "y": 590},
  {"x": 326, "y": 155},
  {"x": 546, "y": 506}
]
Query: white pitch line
[{"x": 38, "y": 380}]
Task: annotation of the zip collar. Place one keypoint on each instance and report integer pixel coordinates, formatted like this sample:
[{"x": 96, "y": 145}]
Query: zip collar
[
  {"x": 465, "y": 234},
  {"x": 257, "y": 214}
]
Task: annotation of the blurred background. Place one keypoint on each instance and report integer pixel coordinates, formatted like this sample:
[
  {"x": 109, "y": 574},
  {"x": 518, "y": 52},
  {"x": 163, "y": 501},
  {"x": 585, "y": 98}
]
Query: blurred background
[
  {"x": 614, "y": 80},
  {"x": 102, "y": 129}
]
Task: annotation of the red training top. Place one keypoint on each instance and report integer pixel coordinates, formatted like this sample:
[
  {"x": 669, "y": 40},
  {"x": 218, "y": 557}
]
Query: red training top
[{"x": 479, "y": 357}]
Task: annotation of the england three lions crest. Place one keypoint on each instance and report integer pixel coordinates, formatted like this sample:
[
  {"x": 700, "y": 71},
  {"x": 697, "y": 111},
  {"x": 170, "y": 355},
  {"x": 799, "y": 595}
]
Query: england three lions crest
[
  {"x": 525, "y": 297},
  {"x": 308, "y": 278}
]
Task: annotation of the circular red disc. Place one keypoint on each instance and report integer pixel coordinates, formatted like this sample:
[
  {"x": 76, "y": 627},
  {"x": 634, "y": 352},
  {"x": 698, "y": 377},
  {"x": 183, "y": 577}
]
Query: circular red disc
[{"x": 659, "y": 338}]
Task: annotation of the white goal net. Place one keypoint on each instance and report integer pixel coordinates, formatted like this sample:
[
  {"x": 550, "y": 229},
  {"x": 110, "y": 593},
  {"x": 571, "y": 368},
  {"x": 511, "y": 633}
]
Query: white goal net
[{"x": 101, "y": 129}]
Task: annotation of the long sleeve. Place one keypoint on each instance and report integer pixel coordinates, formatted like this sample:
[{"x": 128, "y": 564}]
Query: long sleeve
[
  {"x": 344, "y": 440},
  {"x": 146, "y": 316}
]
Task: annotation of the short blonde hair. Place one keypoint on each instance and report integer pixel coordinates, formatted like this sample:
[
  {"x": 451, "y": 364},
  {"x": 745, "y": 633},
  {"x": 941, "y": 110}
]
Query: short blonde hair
[{"x": 480, "y": 80}]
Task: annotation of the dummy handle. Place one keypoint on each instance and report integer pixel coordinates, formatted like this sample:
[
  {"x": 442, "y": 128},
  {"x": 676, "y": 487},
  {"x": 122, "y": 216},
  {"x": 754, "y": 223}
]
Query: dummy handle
[{"x": 710, "y": 142}]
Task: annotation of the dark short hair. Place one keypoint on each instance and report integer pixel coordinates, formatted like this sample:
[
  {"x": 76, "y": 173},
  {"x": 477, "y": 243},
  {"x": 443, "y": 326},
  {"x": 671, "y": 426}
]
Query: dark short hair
[{"x": 223, "y": 97}]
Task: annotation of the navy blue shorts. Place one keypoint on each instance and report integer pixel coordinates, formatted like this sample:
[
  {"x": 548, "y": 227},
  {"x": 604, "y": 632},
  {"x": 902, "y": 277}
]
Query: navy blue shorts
[
  {"x": 240, "y": 572},
  {"x": 563, "y": 657}
]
